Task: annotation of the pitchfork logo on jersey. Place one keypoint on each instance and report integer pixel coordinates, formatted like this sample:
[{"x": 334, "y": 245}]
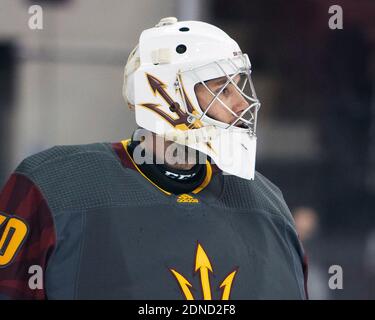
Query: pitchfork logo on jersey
[{"x": 203, "y": 266}]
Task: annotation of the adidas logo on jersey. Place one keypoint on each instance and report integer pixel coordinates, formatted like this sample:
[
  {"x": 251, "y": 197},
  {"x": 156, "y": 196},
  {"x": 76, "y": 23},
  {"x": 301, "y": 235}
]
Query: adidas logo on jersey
[{"x": 187, "y": 198}]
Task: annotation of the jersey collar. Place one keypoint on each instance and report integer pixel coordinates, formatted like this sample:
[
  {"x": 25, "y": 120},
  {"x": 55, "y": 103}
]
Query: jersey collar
[{"x": 128, "y": 162}]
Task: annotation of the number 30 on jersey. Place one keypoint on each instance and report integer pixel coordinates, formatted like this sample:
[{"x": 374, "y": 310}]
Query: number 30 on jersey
[{"x": 13, "y": 232}]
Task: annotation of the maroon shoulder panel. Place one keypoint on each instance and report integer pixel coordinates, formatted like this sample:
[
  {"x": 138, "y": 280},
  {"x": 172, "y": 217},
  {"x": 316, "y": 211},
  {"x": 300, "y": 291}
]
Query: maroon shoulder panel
[
  {"x": 22, "y": 200},
  {"x": 122, "y": 154}
]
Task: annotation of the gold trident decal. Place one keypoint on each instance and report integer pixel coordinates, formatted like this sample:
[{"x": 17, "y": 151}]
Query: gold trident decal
[{"x": 203, "y": 264}]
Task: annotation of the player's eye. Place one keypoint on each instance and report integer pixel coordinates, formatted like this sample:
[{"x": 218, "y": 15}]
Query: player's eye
[{"x": 224, "y": 91}]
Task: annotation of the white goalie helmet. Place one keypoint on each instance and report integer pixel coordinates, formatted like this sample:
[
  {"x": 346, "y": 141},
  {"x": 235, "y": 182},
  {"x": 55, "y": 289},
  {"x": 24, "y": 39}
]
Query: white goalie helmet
[{"x": 161, "y": 78}]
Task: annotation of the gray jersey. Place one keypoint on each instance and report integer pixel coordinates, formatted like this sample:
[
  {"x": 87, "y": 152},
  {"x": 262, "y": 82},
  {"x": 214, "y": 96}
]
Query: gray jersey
[{"x": 118, "y": 236}]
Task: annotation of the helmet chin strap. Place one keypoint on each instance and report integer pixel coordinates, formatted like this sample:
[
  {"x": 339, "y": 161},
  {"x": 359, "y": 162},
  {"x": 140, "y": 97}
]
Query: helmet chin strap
[{"x": 189, "y": 137}]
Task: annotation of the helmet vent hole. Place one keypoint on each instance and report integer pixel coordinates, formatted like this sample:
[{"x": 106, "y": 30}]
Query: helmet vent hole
[
  {"x": 184, "y": 29},
  {"x": 181, "y": 48}
]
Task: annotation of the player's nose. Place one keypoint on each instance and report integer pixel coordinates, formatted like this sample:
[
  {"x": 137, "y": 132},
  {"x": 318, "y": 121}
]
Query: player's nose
[{"x": 240, "y": 104}]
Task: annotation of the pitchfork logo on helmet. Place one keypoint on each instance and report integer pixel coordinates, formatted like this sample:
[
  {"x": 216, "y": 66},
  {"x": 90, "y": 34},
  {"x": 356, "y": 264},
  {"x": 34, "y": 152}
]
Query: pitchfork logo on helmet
[{"x": 178, "y": 77}]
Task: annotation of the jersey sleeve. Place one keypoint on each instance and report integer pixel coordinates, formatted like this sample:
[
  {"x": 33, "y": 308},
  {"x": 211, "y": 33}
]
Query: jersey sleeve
[{"x": 27, "y": 239}]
